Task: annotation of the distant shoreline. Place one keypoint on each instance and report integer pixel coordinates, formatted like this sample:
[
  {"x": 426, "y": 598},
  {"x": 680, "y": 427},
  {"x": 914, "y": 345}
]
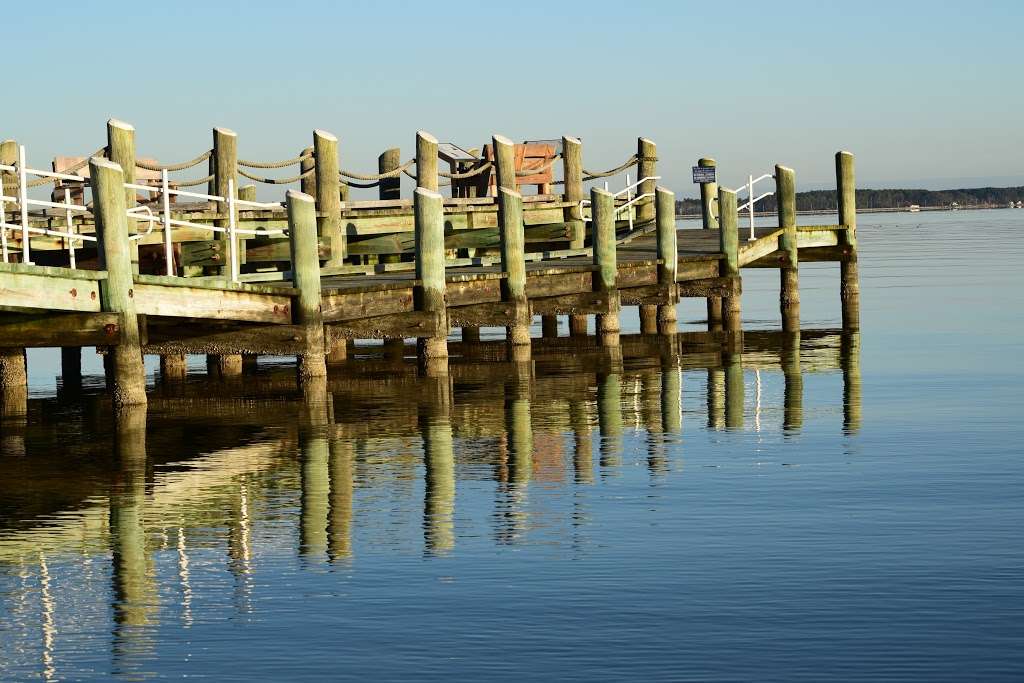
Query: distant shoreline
[{"x": 895, "y": 209}]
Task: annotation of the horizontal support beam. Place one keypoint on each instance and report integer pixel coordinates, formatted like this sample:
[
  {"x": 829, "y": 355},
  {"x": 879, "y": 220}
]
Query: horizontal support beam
[
  {"x": 284, "y": 340},
  {"x": 61, "y": 329},
  {"x": 488, "y": 314},
  {"x": 581, "y": 303},
  {"x": 393, "y": 326},
  {"x": 220, "y": 304},
  {"x": 648, "y": 294},
  {"x": 53, "y": 292},
  {"x": 711, "y": 286}
]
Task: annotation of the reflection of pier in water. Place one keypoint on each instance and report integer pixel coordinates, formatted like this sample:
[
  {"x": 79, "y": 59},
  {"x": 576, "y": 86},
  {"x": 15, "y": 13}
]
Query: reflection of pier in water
[{"x": 213, "y": 452}]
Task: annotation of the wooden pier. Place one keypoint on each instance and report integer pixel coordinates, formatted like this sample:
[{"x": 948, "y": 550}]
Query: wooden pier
[{"x": 121, "y": 256}]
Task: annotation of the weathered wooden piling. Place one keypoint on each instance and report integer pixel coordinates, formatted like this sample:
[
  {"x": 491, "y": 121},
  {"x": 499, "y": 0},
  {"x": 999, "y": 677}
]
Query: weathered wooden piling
[
  {"x": 9, "y": 157},
  {"x": 572, "y": 171},
  {"x": 646, "y": 167},
  {"x": 513, "y": 263},
  {"x": 13, "y": 371},
  {"x": 729, "y": 266},
  {"x": 789, "y": 290},
  {"x": 603, "y": 222},
  {"x": 390, "y": 189},
  {"x": 328, "y": 195},
  {"x": 504, "y": 163},
  {"x": 117, "y": 290},
  {"x": 307, "y": 169},
  {"x": 430, "y": 293},
  {"x": 849, "y": 278},
  {"x": 71, "y": 367},
  {"x": 668, "y": 258},
  {"x": 173, "y": 367},
  {"x": 306, "y": 309},
  {"x": 121, "y": 150},
  {"x": 426, "y": 161},
  {"x": 709, "y": 210},
  {"x": 224, "y": 163}
]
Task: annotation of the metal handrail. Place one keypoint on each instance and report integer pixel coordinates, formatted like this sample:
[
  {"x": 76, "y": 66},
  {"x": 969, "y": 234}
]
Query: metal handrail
[{"x": 751, "y": 200}]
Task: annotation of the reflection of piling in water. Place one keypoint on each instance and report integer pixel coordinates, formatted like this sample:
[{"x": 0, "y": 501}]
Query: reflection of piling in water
[
  {"x": 716, "y": 398},
  {"x": 671, "y": 392},
  {"x": 583, "y": 450},
  {"x": 135, "y": 593},
  {"x": 609, "y": 417},
  {"x": 71, "y": 368},
  {"x": 439, "y": 481},
  {"x": 733, "y": 364},
  {"x": 651, "y": 414},
  {"x": 518, "y": 424},
  {"x": 339, "y": 527},
  {"x": 793, "y": 397},
  {"x": 173, "y": 367},
  {"x": 314, "y": 449},
  {"x": 240, "y": 547},
  {"x": 849, "y": 350}
]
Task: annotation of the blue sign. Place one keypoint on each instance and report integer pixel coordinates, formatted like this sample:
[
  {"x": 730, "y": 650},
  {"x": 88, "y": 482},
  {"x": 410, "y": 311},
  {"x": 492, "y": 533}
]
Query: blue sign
[{"x": 703, "y": 174}]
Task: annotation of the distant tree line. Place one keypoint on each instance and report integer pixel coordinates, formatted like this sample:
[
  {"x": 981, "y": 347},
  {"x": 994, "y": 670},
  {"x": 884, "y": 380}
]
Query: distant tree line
[{"x": 825, "y": 200}]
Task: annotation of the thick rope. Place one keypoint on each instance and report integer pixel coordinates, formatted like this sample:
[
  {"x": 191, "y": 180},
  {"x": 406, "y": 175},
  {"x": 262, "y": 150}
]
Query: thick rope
[
  {"x": 393, "y": 173},
  {"x": 591, "y": 175},
  {"x": 539, "y": 169},
  {"x": 483, "y": 168},
  {"x": 274, "y": 164},
  {"x": 361, "y": 186},
  {"x": 276, "y": 181},
  {"x": 193, "y": 183},
  {"x": 77, "y": 166},
  {"x": 174, "y": 167}
]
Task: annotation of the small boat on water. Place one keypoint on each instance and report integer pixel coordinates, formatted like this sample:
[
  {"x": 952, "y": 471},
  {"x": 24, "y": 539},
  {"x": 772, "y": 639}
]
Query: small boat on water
[{"x": 913, "y": 208}]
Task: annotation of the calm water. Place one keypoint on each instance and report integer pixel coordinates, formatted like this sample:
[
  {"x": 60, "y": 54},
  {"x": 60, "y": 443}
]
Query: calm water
[{"x": 850, "y": 508}]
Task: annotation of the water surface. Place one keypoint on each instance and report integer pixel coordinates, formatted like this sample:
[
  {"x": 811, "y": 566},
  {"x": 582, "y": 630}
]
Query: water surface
[{"x": 824, "y": 506}]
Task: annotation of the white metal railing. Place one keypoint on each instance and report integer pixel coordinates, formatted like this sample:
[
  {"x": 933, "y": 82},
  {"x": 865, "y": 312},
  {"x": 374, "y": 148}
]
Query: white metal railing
[
  {"x": 24, "y": 203},
  {"x": 143, "y": 212},
  {"x": 751, "y": 200},
  {"x": 232, "y": 230},
  {"x": 630, "y": 199}
]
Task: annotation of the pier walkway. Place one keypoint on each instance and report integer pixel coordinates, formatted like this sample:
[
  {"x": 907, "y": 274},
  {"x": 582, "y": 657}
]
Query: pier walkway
[{"x": 124, "y": 258}]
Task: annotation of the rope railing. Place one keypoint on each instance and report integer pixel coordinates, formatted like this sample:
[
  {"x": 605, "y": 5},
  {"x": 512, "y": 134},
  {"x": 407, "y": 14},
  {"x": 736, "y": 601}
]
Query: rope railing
[
  {"x": 360, "y": 186},
  {"x": 593, "y": 175},
  {"x": 39, "y": 182},
  {"x": 276, "y": 181},
  {"x": 393, "y": 173},
  {"x": 193, "y": 183},
  {"x": 284, "y": 163},
  {"x": 482, "y": 168},
  {"x": 170, "y": 168}
]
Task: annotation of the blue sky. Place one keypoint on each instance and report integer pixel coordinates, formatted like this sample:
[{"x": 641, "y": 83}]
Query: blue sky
[{"x": 924, "y": 93}]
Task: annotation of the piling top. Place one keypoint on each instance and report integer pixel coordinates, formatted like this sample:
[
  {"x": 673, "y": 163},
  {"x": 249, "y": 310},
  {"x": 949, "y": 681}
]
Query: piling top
[
  {"x": 225, "y": 131},
  {"x": 426, "y": 136},
  {"x": 502, "y": 140},
  {"x": 117, "y": 123},
  {"x": 295, "y": 195},
  {"x": 707, "y": 162},
  {"x": 843, "y": 152},
  {"x": 427, "y": 194},
  {"x": 324, "y": 134},
  {"x": 101, "y": 162},
  {"x": 571, "y": 138},
  {"x": 664, "y": 190},
  {"x": 602, "y": 192}
]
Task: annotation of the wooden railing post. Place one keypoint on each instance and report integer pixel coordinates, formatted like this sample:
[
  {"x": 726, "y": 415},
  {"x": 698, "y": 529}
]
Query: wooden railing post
[
  {"x": 390, "y": 189},
  {"x": 729, "y": 266},
  {"x": 709, "y": 219},
  {"x": 849, "y": 278},
  {"x": 513, "y": 263},
  {"x": 572, "y": 171},
  {"x": 307, "y": 184},
  {"x": 117, "y": 291},
  {"x": 328, "y": 195},
  {"x": 430, "y": 292},
  {"x": 789, "y": 291},
  {"x": 603, "y": 221},
  {"x": 504, "y": 162},
  {"x": 121, "y": 150},
  {"x": 426, "y": 161},
  {"x": 305, "y": 256},
  {"x": 668, "y": 258},
  {"x": 647, "y": 167}
]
